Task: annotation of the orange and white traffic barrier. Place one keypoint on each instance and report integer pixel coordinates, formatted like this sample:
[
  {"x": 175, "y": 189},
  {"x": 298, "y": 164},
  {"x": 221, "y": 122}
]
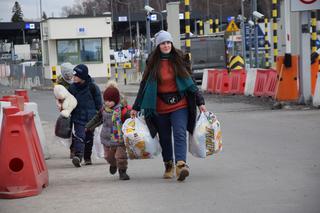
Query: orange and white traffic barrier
[
  {"x": 33, "y": 107},
  {"x": 2, "y": 105},
  {"x": 250, "y": 81},
  {"x": 23, "y": 170},
  {"x": 204, "y": 84},
  {"x": 237, "y": 81},
  {"x": 316, "y": 96}
]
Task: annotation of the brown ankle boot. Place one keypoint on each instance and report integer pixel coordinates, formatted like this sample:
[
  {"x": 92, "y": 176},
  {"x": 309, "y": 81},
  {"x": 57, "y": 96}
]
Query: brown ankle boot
[
  {"x": 169, "y": 170},
  {"x": 123, "y": 174},
  {"x": 182, "y": 170}
]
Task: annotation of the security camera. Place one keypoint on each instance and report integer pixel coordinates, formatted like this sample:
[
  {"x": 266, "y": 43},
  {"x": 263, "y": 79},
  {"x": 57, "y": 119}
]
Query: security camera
[
  {"x": 257, "y": 15},
  {"x": 251, "y": 23},
  {"x": 148, "y": 9},
  {"x": 241, "y": 18}
]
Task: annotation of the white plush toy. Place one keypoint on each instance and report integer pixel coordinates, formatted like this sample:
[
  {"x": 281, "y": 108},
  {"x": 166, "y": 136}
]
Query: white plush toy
[{"x": 65, "y": 101}]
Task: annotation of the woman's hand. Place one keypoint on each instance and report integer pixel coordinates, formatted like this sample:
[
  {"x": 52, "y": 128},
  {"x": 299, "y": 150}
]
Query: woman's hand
[
  {"x": 202, "y": 108},
  {"x": 133, "y": 113}
]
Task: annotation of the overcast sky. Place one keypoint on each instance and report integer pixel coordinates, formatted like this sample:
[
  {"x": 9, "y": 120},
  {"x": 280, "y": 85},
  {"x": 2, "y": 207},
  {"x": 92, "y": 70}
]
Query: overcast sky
[{"x": 30, "y": 8}]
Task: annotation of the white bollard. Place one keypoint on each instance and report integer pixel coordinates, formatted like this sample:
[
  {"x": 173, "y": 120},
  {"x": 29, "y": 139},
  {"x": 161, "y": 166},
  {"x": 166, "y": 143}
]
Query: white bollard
[
  {"x": 250, "y": 81},
  {"x": 316, "y": 97},
  {"x": 3, "y": 104},
  {"x": 204, "y": 85},
  {"x": 33, "y": 107}
]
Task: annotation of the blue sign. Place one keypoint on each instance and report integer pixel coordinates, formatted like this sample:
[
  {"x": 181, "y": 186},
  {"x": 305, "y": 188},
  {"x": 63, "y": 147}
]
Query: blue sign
[
  {"x": 318, "y": 43},
  {"x": 131, "y": 50},
  {"x": 81, "y": 30},
  {"x": 247, "y": 31},
  {"x": 230, "y": 18},
  {"x": 30, "y": 26},
  {"x": 120, "y": 54}
]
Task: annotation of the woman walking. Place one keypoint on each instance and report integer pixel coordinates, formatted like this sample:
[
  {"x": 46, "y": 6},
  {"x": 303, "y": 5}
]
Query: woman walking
[{"x": 168, "y": 97}]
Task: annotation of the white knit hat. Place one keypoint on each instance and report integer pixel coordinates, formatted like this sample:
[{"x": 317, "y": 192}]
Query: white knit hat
[
  {"x": 163, "y": 36},
  {"x": 67, "y": 71}
]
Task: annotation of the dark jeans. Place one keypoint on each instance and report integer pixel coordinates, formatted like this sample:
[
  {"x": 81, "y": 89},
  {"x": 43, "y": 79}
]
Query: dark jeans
[
  {"x": 175, "y": 122},
  {"x": 72, "y": 142},
  {"x": 82, "y": 142}
]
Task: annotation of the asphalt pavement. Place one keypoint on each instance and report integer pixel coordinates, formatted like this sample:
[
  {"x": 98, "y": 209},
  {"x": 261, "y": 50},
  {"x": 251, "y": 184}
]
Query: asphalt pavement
[{"x": 270, "y": 162}]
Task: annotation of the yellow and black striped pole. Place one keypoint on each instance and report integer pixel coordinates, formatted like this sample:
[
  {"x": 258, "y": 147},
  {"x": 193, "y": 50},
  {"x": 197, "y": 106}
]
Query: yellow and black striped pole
[
  {"x": 108, "y": 72},
  {"x": 313, "y": 32},
  {"x": 125, "y": 76},
  {"x": 187, "y": 26},
  {"x": 116, "y": 71},
  {"x": 211, "y": 25},
  {"x": 266, "y": 42},
  {"x": 54, "y": 75},
  {"x": 275, "y": 28},
  {"x": 216, "y": 21},
  {"x": 201, "y": 27}
]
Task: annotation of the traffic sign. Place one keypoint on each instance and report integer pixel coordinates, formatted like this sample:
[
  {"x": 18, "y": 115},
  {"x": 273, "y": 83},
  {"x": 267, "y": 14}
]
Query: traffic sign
[
  {"x": 30, "y": 26},
  {"x": 120, "y": 54},
  {"x": 232, "y": 27},
  {"x": 305, "y": 5},
  {"x": 230, "y": 18},
  {"x": 131, "y": 50},
  {"x": 261, "y": 39}
]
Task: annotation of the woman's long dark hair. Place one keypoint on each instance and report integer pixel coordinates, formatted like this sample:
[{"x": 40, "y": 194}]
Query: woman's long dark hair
[{"x": 179, "y": 62}]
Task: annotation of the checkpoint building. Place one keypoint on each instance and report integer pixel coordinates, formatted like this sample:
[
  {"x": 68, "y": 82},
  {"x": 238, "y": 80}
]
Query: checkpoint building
[{"x": 77, "y": 40}]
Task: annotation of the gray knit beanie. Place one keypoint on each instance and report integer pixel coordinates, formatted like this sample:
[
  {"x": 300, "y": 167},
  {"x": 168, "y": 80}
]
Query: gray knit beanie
[{"x": 163, "y": 36}]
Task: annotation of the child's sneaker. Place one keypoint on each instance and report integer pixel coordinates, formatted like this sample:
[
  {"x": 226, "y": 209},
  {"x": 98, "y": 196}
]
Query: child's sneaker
[
  {"x": 76, "y": 161},
  {"x": 123, "y": 174},
  {"x": 87, "y": 162},
  {"x": 112, "y": 169},
  {"x": 182, "y": 170}
]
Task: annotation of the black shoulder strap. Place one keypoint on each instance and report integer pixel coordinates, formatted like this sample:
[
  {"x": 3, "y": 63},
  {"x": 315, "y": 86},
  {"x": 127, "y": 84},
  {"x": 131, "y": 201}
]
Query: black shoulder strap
[{"x": 92, "y": 89}]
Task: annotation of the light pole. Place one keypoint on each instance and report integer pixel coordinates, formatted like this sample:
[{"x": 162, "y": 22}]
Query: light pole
[
  {"x": 129, "y": 15},
  {"x": 255, "y": 34},
  {"x": 220, "y": 12},
  {"x": 243, "y": 33},
  {"x": 160, "y": 14},
  {"x": 146, "y": 3}
]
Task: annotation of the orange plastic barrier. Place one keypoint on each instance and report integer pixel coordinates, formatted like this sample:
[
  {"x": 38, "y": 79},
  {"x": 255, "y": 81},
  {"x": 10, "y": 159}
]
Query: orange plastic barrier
[
  {"x": 261, "y": 80},
  {"x": 271, "y": 84},
  {"x": 23, "y": 170},
  {"x": 222, "y": 86},
  {"x": 237, "y": 81},
  {"x": 22, "y": 92},
  {"x": 15, "y": 100},
  {"x": 287, "y": 87},
  {"x": 314, "y": 74},
  {"x": 212, "y": 80}
]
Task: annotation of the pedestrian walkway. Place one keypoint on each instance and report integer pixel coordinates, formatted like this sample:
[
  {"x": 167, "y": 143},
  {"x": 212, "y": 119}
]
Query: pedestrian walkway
[{"x": 128, "y": 90}]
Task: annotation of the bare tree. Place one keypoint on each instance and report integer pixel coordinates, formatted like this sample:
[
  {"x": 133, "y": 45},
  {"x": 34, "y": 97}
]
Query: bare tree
[{"x": 229, "y": 7}]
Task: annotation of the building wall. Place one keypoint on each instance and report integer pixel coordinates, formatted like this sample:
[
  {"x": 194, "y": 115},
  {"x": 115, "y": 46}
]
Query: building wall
[{"x": 69, "y": 28}]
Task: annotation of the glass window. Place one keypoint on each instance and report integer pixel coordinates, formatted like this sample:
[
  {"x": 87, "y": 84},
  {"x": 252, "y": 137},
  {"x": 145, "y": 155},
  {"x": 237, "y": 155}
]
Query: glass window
[
  {"x": 68, "y": 51},
  {"x": 79, "y": 50},
  {"x": 90, "y": 50}
]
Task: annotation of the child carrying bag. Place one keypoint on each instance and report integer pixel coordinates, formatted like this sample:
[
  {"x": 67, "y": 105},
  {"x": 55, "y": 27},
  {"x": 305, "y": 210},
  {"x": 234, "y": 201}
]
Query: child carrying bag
[
  {"x": 206, "y": 139},
  {"x": 63, "y": 127},
  {"x": 138, "y": 140}
]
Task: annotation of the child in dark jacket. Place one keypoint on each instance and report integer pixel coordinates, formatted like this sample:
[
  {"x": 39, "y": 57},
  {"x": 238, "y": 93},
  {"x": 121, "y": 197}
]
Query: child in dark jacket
[
  {"x": 89, "y": 100},
  {"x": 111, "y": 135}
]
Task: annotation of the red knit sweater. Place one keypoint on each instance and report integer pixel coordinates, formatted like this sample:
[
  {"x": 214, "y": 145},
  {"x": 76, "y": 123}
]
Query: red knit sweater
[{"x": 168, "y": 84}]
